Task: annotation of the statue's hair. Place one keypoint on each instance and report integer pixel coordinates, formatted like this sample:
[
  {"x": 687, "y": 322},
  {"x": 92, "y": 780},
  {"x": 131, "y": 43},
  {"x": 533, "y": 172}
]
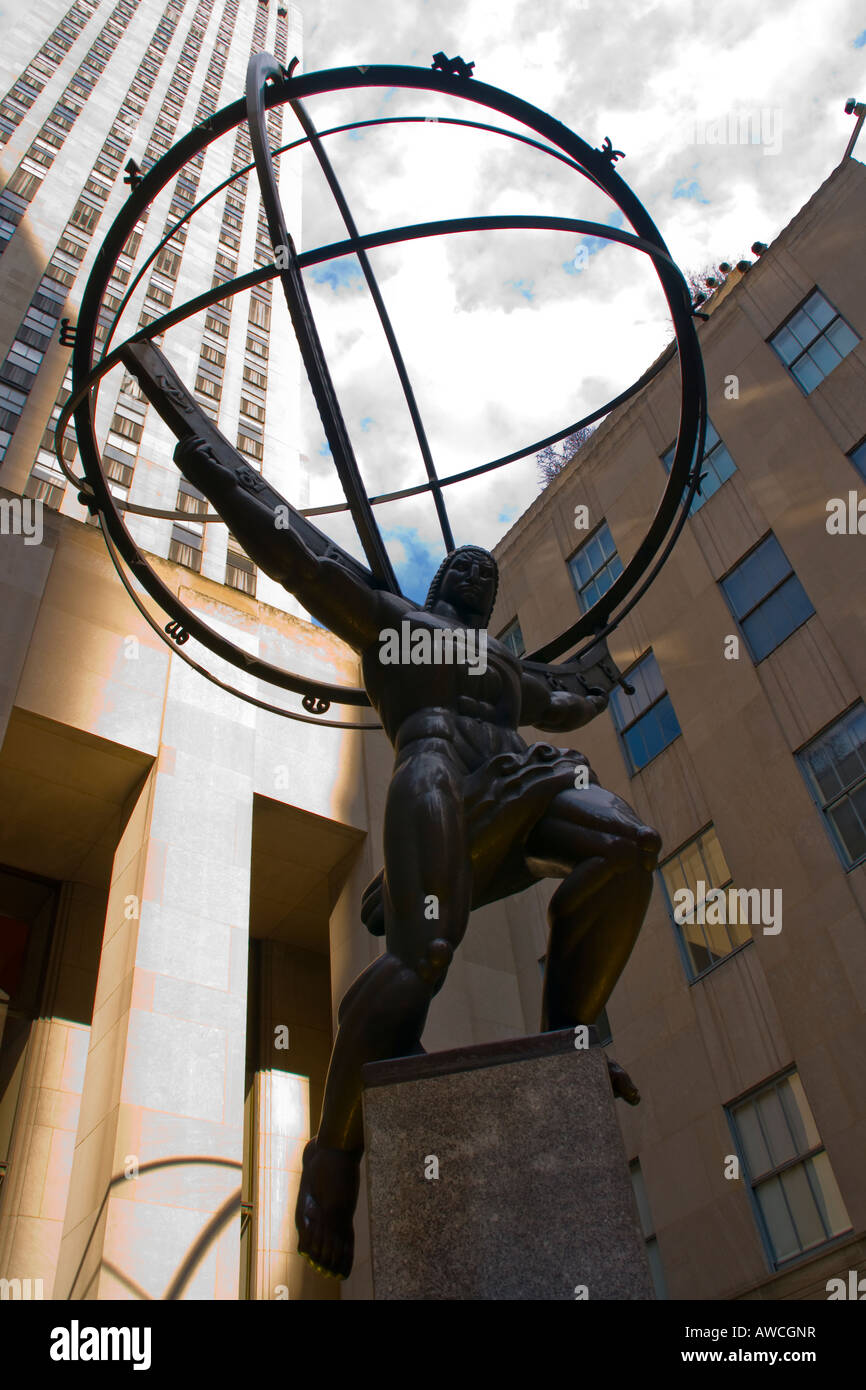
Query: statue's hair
[{"x": 436, "y": 582}]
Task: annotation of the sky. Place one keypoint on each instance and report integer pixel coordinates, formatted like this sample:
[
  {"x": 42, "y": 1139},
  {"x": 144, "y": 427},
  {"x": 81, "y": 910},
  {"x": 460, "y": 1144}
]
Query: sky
[{"x": 730, "y": 116}]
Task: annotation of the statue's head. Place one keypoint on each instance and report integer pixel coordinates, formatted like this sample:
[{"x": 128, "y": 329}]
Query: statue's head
[{"x": 467, "y": 580}]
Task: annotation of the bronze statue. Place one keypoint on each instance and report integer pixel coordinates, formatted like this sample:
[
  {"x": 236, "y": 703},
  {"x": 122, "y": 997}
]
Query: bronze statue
[{"x": 473, "y": 815}]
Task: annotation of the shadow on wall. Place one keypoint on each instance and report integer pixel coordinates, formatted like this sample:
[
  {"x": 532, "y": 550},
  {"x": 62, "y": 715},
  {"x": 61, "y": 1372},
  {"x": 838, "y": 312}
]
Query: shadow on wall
[{"x": 197, "y": 1251}]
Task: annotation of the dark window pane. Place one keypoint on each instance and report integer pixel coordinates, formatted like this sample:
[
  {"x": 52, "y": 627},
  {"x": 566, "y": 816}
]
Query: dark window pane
[
  {"x": 842, "y": 338},
  {"x": 777, "y": 617},
  {"x": 858, "y": 458},
  {"x": 819, "y": 310},
  {"x": 807, "y": 374},
  {"x": 753, "y": 579},
  {"x": 780, "y": 1227},
  {"x": 849, "y": 828},
  {"x": 803, "y": 328},
  {"x": 786, "y": 345}
]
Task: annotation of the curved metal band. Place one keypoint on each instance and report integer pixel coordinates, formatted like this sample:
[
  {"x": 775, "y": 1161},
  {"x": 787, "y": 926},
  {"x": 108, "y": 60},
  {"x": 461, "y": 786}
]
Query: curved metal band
[{"x": 215, "y": 680}]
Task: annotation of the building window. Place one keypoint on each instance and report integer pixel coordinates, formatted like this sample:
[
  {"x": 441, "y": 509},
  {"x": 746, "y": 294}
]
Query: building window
[
  {"x": 648, "y": 1228},
  {"x": 700, "y": 866},
  {"x": 260, "y": 312},
  {"x": 45, "y": 483},
  {"x": 594, "y": 567},
  {"x": 250, "y": 446},
  {"x": 512, "y": 638},
  {"x": 834, "y": 765},
  {"x": 717, "y": 466},
  {"x": 208, "y": 387},
  {"x": 240, "y": 570},
  {"x": 189, "y": 499},
  {"x": 84, "y": 216},
  {"x": 813, "y": 341},
  {"x": 185, "y": 548},
  {"x": 212, "y": 354},
  {"x": 858, "y": 458},
  {"x": 118, "y": 471},
  {"x": 254, "y": 377},
  {"x": 645, "y": 720},
  {"x": 766, "y": 598},
  {"x": 795, "y": 1196},
  {"x": 129, "y": 429},
  {"x": 26, "y": 184}
]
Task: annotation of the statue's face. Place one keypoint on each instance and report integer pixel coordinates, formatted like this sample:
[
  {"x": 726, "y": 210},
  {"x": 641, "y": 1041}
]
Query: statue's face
[{"x": 469, "y": 584}]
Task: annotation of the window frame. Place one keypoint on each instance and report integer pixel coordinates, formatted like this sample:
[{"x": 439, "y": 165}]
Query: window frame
[
  {"x": 741, "y": 619},
  {"x": 751, "y": 1185},
  {"x": 624, "y": 728},
  {"x": 693, "y": 976},
  {"x": 607, "y": 560},
  {"x": 502, "y": 637},
  {"x": 701, "y": 498},
  {"x": 806, "y": 351},
  {"x": 815, "y": 791},
  {"x": 857, "y": 464}
]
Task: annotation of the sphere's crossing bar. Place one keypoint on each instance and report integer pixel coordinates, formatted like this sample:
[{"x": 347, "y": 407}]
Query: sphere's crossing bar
[
  {"x": 384, "y": 319},
  {"x": 261, "y": 68}
]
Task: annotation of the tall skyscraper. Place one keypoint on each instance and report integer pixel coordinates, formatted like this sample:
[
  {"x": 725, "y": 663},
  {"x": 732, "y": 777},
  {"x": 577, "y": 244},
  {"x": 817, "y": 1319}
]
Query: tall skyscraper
[{"x": 99, "y": 86}]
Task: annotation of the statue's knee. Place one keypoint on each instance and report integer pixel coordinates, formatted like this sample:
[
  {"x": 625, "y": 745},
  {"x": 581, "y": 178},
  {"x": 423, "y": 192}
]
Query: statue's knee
[
  {"x": 650, "y": 842},
  {"x": 435, "y": 962},
  {"x": 638, "y": 850}
]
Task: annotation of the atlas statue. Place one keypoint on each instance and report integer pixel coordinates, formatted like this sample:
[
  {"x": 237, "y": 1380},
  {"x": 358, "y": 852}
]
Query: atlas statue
[{"x": 473, "y": 815}]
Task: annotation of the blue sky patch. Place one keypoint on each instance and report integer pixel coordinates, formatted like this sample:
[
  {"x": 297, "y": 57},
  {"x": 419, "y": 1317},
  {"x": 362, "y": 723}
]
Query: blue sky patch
[
  {"x": 523, "y": 287},
  {"x": 590, "y": 246},
  {"x": 415, "y": 572},
  {"x": 340, "y": 274},
  {"x": 860, "y": 41},
  {"x": 689, "y": 188}
]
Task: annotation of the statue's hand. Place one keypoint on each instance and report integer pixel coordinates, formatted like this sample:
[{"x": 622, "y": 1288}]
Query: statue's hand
[
  {"x": 598, "y": 698},
  {"x": 199, "y": 462}
]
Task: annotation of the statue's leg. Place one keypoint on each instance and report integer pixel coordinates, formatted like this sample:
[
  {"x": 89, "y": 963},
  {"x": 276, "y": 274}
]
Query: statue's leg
[
  {"x": 427, "y": 897},
  {"x": 606, "y": 861},
  {"x": 594, "y": 920}
]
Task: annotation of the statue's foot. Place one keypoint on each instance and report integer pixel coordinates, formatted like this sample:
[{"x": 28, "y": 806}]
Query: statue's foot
[
  {"x": 622, "y": 1084},
  {"x": 326, "y": 1206}
]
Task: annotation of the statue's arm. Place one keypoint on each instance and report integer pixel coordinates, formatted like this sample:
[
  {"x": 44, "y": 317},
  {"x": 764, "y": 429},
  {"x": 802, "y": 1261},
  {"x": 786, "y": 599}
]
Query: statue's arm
[
  {"x": 548, "y": 704},
  {"x": 256, "y": 513}
]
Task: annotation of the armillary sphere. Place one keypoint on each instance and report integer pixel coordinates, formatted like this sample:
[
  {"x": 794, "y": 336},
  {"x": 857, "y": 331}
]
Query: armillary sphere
[{"x": 270, "y": 85}]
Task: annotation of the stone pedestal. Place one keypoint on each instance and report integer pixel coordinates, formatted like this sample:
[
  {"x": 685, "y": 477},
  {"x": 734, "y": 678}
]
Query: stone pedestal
[{"x": 498, "y": 1172}]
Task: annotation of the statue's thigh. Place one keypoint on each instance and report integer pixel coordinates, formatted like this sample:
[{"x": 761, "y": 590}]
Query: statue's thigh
[{"x": 579, "y": 825}]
